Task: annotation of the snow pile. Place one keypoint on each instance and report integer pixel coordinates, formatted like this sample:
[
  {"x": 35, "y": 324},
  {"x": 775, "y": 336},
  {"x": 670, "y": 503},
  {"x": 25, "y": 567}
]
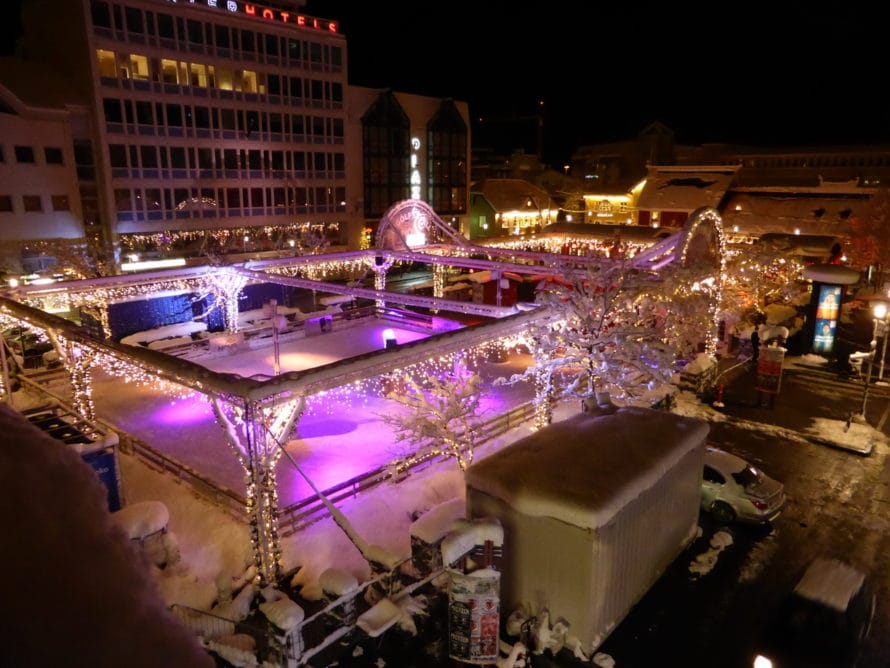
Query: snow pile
[
  {"x": 705, "y": 562},
  {"x": 281, "y": 610},
  {"x": 467, "y": 535},
  {"x": 379, "y": 618}
]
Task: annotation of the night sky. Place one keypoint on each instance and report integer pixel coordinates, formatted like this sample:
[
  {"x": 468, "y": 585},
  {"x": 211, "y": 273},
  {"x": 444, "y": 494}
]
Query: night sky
[{"x": 766, "y": 74}]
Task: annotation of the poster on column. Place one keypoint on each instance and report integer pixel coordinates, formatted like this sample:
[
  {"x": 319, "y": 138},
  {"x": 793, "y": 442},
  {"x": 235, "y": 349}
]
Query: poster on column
[
  {"x": 474, "y": 616},
  {"x": 769, "y": 369}
]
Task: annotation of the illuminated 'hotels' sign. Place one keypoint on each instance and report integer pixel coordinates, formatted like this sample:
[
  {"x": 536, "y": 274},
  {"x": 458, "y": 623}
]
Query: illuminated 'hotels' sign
[{"x": 276, "y": 15}]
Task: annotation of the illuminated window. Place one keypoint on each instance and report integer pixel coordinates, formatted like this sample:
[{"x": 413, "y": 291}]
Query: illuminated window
[
  {"x": 248, "y": 81},
  {"x": 198, "y": 75},
  {"x": 138, "y": 66},
  {"x": 170, "y": 71},
  {"x": 107, "y": 67},
  {"x": 224, "y": 78}
]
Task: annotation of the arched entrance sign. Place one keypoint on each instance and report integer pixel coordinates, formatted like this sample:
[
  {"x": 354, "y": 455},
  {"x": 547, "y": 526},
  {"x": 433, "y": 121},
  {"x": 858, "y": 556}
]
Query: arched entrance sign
[{"x": 412, "y": 223}]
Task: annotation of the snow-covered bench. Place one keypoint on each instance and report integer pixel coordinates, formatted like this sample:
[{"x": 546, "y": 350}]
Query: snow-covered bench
[{"x": 178, "y": 331}]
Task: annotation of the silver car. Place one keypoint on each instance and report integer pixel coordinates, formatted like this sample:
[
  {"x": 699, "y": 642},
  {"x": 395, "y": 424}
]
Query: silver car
[{"x": 734, "y": 490}]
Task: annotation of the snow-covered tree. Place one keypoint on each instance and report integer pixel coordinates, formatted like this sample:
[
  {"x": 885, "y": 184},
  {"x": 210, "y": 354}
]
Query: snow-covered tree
[
  {"x": 440, "y": 417},
  {"x": 606, "y": 332}
]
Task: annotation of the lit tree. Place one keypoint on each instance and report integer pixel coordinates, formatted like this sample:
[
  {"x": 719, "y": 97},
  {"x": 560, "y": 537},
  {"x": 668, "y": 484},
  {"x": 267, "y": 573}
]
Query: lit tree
[
  {"x": 85, "y": 257},
  {"x": 757, "y": 276},
  {"x": 440, "y": 417},
  {"x": 606, "y": 334}
]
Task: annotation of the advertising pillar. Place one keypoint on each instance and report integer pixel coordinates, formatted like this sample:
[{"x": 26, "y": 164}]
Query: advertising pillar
[{"x": 474, "y": 616}]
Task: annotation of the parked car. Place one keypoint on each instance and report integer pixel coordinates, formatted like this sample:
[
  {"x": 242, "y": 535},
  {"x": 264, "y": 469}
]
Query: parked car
[
  {"x": 823, "y": 621},
  {"x": 733, "y": 490}
]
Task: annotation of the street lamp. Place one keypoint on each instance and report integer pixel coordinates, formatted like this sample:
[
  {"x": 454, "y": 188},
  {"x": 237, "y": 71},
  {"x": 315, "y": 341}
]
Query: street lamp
[{"x": 879, "y": 311}]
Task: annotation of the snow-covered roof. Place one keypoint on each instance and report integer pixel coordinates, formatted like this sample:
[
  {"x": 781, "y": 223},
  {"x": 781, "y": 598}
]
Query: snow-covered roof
[
  {"x": 584, "y": 469},
  {"x": 830, "y": 581},
  {"x": 816, "y": 213},
  {"x": 673, "y": 190}
]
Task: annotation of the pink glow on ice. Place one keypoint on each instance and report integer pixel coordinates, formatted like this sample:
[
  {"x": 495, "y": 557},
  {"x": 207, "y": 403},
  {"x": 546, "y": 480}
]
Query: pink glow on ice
[{"x": 183, "y": 411}]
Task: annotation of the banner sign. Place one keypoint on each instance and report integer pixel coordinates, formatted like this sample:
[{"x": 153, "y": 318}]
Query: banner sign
[{"x": 474, "y": 616}]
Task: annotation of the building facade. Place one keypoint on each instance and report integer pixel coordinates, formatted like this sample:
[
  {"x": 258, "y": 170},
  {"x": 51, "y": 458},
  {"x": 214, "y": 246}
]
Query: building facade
[
  {"x": 229, "y": 126},
  {"x": 40, "y": 197}
]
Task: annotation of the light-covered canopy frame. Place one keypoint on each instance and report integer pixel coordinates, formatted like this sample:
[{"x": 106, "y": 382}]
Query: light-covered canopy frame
[{"x": 257, "y": 413}]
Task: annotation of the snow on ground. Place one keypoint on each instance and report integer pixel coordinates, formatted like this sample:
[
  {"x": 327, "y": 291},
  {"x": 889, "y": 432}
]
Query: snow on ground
[{"x": 214, "y": 547}]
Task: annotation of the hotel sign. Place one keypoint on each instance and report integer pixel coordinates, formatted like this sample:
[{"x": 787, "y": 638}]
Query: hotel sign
[{"x": 267, "y": 13}]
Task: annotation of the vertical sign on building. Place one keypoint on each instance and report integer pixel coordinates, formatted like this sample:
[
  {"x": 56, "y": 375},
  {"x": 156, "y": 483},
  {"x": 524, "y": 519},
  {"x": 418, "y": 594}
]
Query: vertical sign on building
[
  {"x": 415, "y": 168},
  {"x": 826, "y": 318}
]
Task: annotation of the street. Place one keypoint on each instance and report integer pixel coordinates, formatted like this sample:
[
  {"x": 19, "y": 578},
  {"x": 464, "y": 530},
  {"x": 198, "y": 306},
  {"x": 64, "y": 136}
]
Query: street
[{"x": 837, "y": 505}]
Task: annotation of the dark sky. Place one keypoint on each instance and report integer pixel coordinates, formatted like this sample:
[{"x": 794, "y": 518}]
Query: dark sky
[{"x": 767, "y": 74}]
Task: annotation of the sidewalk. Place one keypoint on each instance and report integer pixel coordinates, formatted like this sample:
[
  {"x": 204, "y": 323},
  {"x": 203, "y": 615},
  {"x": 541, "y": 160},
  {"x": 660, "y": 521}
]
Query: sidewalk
[{"x": 813, "y": 403}]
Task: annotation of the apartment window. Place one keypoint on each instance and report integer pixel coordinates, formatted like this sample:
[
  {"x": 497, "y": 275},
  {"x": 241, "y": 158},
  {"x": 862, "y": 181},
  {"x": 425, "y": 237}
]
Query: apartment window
[
  {"x": 107, "y": 68},
  {"x": 222, "y": 37},
  {"x": 170, "y": 72},
  {"x": 165, "y": 26},
  {"x": 101, "y": 15},
  {"x": 248, "y": 41},
  {"x": 53, "y": 155},
  {"x": 149, "y": 157},
  {"x": 227, "y": 119},
  {"x": 32, "y": 203},
  {"x": 143, "y": 113},
  {"x": 198, "y": 75},
  {"x": 5, "y": 204},
  {"x": 138, "y": 67},
  {"x": 112, "y": 110},
  {"x": 133, "y": 18},
  {"x": 225, "y": 78},
  {"x": 177, "y": 157},
  {"x": 24, "y": 154},
  {"x": 118, "y": 155},
  {"x": 195, "y": 32},
  {"x": 60, "y": 203},
  {"x": 248, "y": 81}
]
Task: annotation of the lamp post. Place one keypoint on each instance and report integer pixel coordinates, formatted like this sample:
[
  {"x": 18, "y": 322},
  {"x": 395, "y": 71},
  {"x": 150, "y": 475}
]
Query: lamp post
[
  {"x": 879, "y": 311},
  {"x": 882, "y": 314}
]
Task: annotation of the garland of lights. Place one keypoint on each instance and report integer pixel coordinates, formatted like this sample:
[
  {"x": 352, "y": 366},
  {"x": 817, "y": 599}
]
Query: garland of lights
[{"x": 252, "y": 429}]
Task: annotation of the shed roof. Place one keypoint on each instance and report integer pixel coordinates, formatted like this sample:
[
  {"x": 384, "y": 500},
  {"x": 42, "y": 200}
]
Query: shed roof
[{"x": 583, "y": 470}]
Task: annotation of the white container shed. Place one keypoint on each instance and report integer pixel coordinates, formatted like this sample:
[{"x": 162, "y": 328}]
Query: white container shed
[{"x": 594, "y": 509}]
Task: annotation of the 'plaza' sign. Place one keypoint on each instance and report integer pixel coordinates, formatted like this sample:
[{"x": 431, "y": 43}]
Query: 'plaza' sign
[{"x": 277, "y": 15}]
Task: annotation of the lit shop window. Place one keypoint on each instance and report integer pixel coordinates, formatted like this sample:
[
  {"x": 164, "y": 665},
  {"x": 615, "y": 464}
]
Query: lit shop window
[{"x": 107, "y": 67}]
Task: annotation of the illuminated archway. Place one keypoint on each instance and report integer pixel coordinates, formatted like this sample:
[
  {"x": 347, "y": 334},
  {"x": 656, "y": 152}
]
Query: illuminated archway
[{"x": 412, "y": 223}]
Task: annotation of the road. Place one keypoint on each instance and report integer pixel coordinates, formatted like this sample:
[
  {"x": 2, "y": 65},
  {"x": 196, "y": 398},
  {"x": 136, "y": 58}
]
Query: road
[{"x": 838, "y": 504}]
